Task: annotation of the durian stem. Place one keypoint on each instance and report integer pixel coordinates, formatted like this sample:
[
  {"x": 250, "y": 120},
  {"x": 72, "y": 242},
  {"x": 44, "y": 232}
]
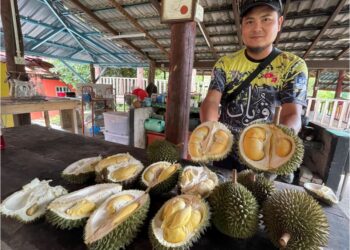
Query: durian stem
[
  {"x": 252, "y": 177},
  {"x": 284, "y": 239},
  {"x": 234, "y": 176},
  {"x": 276, "y": 117}
]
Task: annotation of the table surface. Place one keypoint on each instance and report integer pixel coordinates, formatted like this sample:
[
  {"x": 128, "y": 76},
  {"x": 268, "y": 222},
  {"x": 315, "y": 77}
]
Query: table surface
[{"x": 34, "y": 151}]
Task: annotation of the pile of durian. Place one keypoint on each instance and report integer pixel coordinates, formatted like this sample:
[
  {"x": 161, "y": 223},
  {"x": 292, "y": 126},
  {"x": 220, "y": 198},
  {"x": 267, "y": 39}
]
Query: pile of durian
[{"x": 112, "y": 213}]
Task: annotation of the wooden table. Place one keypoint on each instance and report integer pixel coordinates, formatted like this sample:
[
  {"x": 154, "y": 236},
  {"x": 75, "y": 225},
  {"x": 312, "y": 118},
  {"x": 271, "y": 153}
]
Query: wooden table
[
  {"x": 33, "y": 151},
  {"x": 22, "y": 106}
]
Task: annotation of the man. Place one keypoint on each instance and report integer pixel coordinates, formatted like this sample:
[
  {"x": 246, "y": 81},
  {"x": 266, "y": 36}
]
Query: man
[
  {"x": 283, "y": 82},
  {"x": 151, "y": 89}
]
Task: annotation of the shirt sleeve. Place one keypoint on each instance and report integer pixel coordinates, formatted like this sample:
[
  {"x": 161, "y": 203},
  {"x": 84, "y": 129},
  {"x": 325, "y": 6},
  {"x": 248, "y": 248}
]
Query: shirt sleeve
[
  {"x": 294, "y": 89},
  {"x": 218, "y": 80}
]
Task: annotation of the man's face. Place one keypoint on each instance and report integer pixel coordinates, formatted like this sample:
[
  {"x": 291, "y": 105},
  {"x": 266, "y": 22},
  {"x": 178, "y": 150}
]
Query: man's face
[{"x": 260, "y": 27}]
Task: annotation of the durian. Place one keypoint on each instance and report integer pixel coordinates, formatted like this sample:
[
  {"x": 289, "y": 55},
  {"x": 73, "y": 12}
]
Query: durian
[
  {"x": 162, "y": 150},
  {"x": 197, "y": 181},
  {"x": 116, "y": 222},
  {"x": 210, "y": 141},
  {"x": 109, "y": 161},
  {"x": 234, "y": 209},
  {"x": 81, "y": 171},
  {"x": 30, "y": 203},
  {"x": 160, "y": 177},
  {"x": 294, "y": 220},
  {"x": 73, "y": 209},
  {"x": 179, "y": 223},
  {"x": 261, "y": 187},
  {"x": 270, "y": 147}
]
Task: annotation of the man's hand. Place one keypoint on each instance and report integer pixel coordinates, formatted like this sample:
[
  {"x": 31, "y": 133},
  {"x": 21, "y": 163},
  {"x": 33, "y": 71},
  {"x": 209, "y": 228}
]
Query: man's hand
[{"x": 210, "y": 106}]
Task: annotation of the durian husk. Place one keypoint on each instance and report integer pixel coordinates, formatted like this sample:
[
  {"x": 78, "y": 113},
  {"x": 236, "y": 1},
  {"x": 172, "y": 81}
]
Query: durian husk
[
  {"x": 295, "y": 213},
  {"x": 287, "y": 165},
  {"x": 157, "y": 225},
  {"x": 81, "y": 171},
  {"x": 162, "y": 150}
]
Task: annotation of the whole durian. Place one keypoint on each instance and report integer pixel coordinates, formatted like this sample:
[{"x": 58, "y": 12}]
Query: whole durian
[
  {"x": 116, "y": 222},
  {"x": 160, "y": 177},
  {"x": 81, "y": 170},
  {"x": 73, "y": 209},
  {"x": 179, "y": 223},
  {"x": 162, "y": 150},
  {"x": 294, "y": 220},
  {"x": 234, "y": 209},
  {"x": 261, "y": 187},
  {"x": 270, "y": 147},
  {"x": 210, "y": 141}
]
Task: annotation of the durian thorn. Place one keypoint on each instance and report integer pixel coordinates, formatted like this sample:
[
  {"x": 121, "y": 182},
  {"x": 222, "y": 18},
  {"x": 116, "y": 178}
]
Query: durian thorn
[
  {"x": 276, "y": 117},
  {"x": 283, "y": 241},
  {"x": 234, "y": 176}
]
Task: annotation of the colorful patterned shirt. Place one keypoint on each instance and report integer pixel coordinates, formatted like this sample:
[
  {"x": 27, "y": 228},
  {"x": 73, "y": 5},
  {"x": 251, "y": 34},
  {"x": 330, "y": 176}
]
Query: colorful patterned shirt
[{"x": 284, "y": 80}]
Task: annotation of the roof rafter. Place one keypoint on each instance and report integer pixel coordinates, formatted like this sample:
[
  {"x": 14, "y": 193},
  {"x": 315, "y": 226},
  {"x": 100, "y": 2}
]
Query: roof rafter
[
  {"x": 341, "y": 54},
  {"x": 207, "y": 38},
  {"x": 237, "y": 22},
  {"x": 48, "y": 37},
  {"x": 284, "y": 14}
]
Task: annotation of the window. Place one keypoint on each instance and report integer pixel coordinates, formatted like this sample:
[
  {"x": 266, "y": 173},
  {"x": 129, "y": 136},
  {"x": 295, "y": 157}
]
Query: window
[{"x": 61, "y": 89}]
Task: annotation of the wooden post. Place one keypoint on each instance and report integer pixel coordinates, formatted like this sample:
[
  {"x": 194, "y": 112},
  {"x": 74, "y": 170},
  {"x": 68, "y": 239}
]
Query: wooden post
[
  {"x": 17, "y": 71},
  {"x": 92, "y": 73},
  {"x": 151, "y": 71},
  {"x": 180, "y": 70},
  {"x": 314, "y": 93},
  {"x": 339, "y": 84}
]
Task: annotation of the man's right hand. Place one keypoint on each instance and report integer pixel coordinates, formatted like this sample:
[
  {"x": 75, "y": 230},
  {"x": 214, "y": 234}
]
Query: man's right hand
[{"x": 210, "y": 106}]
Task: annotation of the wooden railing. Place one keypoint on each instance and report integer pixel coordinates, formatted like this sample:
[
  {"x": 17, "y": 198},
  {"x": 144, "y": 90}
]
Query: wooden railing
[{"x": 330, "y": 113}]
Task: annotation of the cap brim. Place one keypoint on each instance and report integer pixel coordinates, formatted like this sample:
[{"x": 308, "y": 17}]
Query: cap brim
[{"x": 252, "y": 5}]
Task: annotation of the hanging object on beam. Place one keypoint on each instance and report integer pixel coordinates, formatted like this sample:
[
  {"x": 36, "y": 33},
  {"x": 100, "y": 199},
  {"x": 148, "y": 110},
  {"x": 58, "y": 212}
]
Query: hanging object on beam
[{"x": 181, "y": 11}]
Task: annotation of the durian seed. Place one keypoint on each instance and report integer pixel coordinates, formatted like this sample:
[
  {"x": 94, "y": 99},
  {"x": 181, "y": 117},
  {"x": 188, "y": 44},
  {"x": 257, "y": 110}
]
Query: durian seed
[
  {"x": 167, "y": 172},
  {"x": 194, "y": 221},
  {"x": 125, "y": 212},
  {"x": 119, "y": 199},
  {"x": 124, "y": 172},
  {"x": 80, "y": 208},
  {"x": 30, "y": 211},
  {"x": 174, "y": 235}
]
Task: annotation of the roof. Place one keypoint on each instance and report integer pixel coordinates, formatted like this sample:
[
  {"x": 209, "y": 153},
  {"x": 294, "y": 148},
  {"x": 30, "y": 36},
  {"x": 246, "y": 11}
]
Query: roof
[{"x": 75, "y": 30}]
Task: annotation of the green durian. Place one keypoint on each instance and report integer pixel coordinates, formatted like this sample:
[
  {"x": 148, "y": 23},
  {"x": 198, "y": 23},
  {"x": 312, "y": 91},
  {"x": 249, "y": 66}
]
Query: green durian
[
  {"x": 260, "y": 187},
  {"x": 294, "y": 220},
  {"x": 116, "y": 222},
  {"x": 81, "y": 171},
  {"x": 73, "y": 209},
  {"x": 234, "y": 209},
  {"x": 179, "y": 223},
  {"x": 162, "y": 150},
  {"x": 160, "y": 177}
]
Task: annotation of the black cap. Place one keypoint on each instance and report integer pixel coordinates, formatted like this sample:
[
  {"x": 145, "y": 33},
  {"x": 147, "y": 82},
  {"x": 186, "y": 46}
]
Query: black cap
[{"x": 246, "y": 5}]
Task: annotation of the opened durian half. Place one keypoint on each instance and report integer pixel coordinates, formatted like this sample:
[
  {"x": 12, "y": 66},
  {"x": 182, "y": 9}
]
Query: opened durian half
[
  {"x": 197, "y": 181},
  {"x": 160, "y": 177},
  {"x": 179, "y": 223},
  {"x": 116, "y": 222},
  {"x": 210, "y": 141},
  {"x": 30, "y": 203},
  {"x": 270, "y": 148},
  {"x": 81, "y": 171},
  {"x": 73, "y": 209}
]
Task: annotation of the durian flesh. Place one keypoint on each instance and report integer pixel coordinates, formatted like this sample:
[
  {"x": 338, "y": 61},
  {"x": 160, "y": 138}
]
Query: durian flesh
[
  {"x": 161, "y": 176},
  {"x": 30, "y": 203},
  {"x": 210, "y": 141},
  {"x": 116, "y": 222},
  {"x": 82, "y": 170},
  {"x": 111, "y": 160},
  {"x": 179, "y": 223},
  {"x": 270, "y": 148},
  {"x": 197, "y": 181},
  {"x": 73, "y": 209}
]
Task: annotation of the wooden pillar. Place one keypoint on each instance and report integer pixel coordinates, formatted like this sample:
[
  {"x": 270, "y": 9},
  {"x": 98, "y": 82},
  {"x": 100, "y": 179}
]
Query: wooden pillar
[
  {"x": 314, "y": 93},
  {"x": 92, "y": 73},
  {"x": 17, "y": 71},
  {"x": 180, "y": 70},
  {"x": 151, "y": 71},
  {"x": 139, "y": 78},
  {"x": 339, "y": 84}
]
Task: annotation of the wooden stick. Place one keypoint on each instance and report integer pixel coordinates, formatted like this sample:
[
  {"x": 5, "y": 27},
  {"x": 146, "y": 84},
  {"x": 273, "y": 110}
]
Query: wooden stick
[
  {"x": 252, "y": 177},
  {"x": 283, "y": 241},
  {"x": 234, "y": 176},
  {"x": 276, "y": 117}
]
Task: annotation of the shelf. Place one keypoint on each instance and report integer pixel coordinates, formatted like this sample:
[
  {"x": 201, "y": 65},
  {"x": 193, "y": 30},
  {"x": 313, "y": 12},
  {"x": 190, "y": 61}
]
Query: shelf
[{"x": 163, "y": 106}]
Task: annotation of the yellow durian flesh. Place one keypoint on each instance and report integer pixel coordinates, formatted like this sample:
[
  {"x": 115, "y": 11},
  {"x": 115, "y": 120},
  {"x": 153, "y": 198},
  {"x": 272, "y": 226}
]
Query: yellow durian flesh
[
  {"x": 124, "y": 173},
  {"x": 114, "y": 159},
  {"x": 125, "y": 212},
  {"x": 195, "y": 145},
  {"x": 166, "y": 172},
  {"x": 159, "y": 172},
  {"x": 81, "y": 208},
  {"x": 113, "y": 203}
]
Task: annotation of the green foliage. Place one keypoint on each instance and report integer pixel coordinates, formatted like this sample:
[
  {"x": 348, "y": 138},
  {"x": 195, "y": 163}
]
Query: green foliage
[{"x": 120, "y": 72}]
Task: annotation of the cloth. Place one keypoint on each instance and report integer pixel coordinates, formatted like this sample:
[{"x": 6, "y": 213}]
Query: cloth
[{"x": 140, "y": 93}]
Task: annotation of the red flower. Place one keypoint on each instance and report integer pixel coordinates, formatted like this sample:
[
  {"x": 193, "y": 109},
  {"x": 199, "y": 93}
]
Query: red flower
[
  {"x": 274, "y": 80},
  {"x": 268, "y": 75}
]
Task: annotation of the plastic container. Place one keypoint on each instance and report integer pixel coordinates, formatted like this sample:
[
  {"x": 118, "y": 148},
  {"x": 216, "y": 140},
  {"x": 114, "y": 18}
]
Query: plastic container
[
  {"x": 154, "y": 125},
  {"x": 121, "y": 139},
  {"x": 116, "y": 123}
]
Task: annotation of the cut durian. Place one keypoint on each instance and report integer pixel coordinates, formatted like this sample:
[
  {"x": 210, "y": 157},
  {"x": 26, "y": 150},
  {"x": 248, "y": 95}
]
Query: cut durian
[
  {"x": 162, "y": 150},
  {"x": 73, "y": 209},
  {"x": 81, "y": 171},
  {"x": 109, "y": 161},
  {"x": 321, "y": 192},
  {"x": 179, "y": 223},
  {"x": 116, "y": 222},
  {"x": 270, "y": 148},
  {"x": 210, "y": 141},
  {"x": 160, "y": 177},
  {"x": 197, "y": 181},
  {"x": 30, "y": 203}
]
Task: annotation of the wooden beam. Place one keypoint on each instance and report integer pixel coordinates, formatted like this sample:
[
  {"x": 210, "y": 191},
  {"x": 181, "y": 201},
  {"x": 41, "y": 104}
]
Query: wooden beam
[
  {"x": 92, "y": 73},
  {"x": 315, "y": 89},
  {"x": 156, "y": 5},
  {"x": 206, "y": 36},
  {"x": 108, "y": 27},
  {"x": 284, "y": 14},
  {"x": 237, "y": 22},
  {"x": 137, "y": 25},
  {"x": 340, "y": 79},
  {"x": 325, "y": 27},
  {"x": 341, "y": 54}
]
